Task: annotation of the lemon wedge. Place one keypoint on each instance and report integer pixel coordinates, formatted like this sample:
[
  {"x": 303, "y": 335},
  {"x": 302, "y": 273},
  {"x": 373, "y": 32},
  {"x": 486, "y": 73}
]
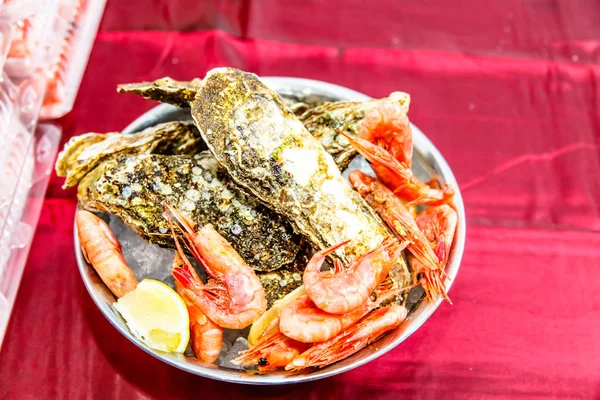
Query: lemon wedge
[
  {"x": 156, "y": 315},
  {"x": 265, "y": 320}
]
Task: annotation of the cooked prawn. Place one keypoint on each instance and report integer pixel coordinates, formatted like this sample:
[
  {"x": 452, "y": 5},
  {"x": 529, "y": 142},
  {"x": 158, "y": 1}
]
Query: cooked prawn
[
  {"x": 351, "y": 340},
  {"x": 346, "y": 289},
  {"x": 234, "y": 298},
  {"x": 303, "y": 321},
  {"x": 207, "y": 337},
  {"x": 274, "y": 350},
  {"x": 103, "y": 251},
  {"x": 398, "y": 177},
  {"x": 439, "y": 224},
  {"x": 387, "y": 126},
  {"x": 394, "y": 213}
]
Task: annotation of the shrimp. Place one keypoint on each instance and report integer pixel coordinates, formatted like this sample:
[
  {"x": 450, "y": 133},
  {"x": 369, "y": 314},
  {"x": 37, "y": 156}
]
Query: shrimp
[
  {"x": 439, "y": 224},
  {"x": 398, "y": 177},
  {"x": 387, "y": 126},
  {"x": 394, "y": 213},
  {"x": 103, "y": 251},
  {"x": 234, "y": 297},
  {"x": 344, "y": 290},
  {"x": 207, "y": 337},
  {"x": 306, "y": 323},
  {"x": 351, "y": 340},
  {"x": 272, "y": 351}
]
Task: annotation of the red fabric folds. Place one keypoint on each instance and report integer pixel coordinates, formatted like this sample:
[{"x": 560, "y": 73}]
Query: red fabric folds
[{"x": 515, "y": 111}]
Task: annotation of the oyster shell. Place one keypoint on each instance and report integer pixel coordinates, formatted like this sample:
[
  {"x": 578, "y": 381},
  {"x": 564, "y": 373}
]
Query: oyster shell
[
  {"x": 134, "y": 187},
  {"x": 166, "y": 90},
  {"x": 321, "y": 119},
  {"x": 84, "y": 152},
  {"x": 267, "y": 150}
]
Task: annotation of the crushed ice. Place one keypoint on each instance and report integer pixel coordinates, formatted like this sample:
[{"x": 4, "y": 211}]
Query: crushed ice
[
  {"x": 145, "y": 260},
  {"x": 227, "y": 355}
]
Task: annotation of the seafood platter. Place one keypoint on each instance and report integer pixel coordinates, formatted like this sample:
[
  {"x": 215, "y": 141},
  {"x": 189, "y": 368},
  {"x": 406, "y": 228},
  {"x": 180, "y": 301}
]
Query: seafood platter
[{"x": 264, "y": 230}]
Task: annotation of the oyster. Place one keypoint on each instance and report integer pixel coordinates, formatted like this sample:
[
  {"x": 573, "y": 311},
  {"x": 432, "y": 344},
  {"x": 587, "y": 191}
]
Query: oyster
[
  {"x": 266, "y": 149},
  {"x": 321, "y": 119},
  {"x": 134, "y": 187},
  {"x": 166, "y": 90},
  {"x": 84, "y": 152}
]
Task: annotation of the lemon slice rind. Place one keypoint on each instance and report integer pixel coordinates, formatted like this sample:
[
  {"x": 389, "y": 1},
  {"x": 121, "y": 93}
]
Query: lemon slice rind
[{"x": 156, "y": 315}]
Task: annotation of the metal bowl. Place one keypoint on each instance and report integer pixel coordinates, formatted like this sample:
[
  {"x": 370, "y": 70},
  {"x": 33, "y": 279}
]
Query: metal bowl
[{"x": 427, "y": 162}]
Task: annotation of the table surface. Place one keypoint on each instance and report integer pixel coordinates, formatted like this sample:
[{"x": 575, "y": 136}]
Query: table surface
[{"x": 508, "y": 90}]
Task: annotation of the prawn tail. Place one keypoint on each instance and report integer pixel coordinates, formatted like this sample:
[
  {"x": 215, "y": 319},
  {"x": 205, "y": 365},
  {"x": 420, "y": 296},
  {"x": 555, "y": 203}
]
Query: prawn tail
[
  {"x": 433, "y": 197},
  {"x": 448, "y": 191},
  {"x": 421, "y": 200},
  {"x": 434, "y": 183},
  {"x": 207, "y": 340}
]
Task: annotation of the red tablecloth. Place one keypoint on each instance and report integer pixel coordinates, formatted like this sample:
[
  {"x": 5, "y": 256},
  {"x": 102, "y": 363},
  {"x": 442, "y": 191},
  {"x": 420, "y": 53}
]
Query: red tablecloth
[{"x": 509, "y": 91}]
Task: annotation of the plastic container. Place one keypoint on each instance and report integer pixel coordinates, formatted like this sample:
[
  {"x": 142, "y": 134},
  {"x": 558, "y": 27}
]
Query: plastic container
[
  {"x": 20, "y": 172},
  {"x": 66, "y": 70},
  {"x": 44, "y": 48},
  {"x": 54, "y": 38},
  {"x": 31, "y": 158},
  {"x": 33, "y": 41}
]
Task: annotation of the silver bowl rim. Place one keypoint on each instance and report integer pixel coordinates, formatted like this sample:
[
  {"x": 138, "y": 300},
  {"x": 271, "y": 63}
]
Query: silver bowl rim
[{"x": 421, "y": 143}]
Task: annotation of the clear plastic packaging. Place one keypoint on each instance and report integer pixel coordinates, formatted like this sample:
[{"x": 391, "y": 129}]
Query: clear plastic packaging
[
  {"x": 54, "y": 38},
  {"x": 6, "y": 34},
  {"x": 31, "y": 158},
  {"x": 20, "y": 103},
  {"x": 32, "y": 42},
  {"x": 44, "y": 48},
  {"x": 66, "y": 70}
]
